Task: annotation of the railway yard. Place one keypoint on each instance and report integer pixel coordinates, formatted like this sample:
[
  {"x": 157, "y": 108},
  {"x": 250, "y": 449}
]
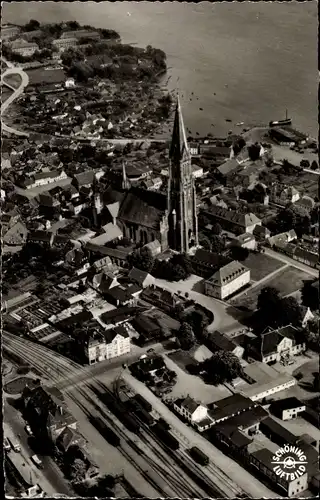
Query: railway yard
[{"x": 118, "y": 422}]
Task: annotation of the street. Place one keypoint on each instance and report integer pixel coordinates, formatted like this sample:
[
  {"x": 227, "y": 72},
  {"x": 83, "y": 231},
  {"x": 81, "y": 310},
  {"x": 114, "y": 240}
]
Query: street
[
  {"x": 50, "y": 478},
  {"x": 223, "y": 320}
]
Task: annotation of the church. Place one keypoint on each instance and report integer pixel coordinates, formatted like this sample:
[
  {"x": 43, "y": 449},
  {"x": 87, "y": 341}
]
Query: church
[{"x": 171, "y": 218}]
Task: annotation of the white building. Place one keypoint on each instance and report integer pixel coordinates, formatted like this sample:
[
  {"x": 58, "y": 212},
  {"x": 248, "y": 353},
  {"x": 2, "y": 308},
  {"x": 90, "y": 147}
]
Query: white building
[
  {"x": 197, "y": 172},
  {"x": 228, "y": 280},
  {"x": 193, "y": 412},
  {"x": 9, "y": 31},
  {"x": 43, "y": 178},
  {"x": 69, "y": 83},
  {"x": 246, "y": 240},
  {"x": 23, "y": 47},
  {"x": 264, "y": 380},
  {"x": 288, "y": 408},
  {"x": 65, "y": 43},
  {"x": 113, "y": 343}
]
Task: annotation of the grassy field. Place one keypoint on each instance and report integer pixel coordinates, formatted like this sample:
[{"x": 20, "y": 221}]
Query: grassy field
[
  {"x": 13, "y": 80},
  {"x": 5, "y": 93},
  {"x": 261, "y": 265},
  {"x": 286, "y": 281},
  {"x": 40, "y": 75},
  {"x": 16, "y": 386}
]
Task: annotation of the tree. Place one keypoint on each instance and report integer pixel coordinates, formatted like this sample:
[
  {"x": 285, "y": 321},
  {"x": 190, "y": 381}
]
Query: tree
[
  {"x": 287, "y": 219},
  {"x": 305, "y": 164},
  {"x": 314, "y": 165},
  {"x": 222, "y": 367},
  {"x": 32, "y": 25},
  {"x": 258, "y": 193},
  {"x": 186, "y": 336},
  {"x": 291, "y": 312},
  {"x": 216, "y": 229},
  {"x": 78, "y": 470},
  {"x": 182, "y": 260},
  {"x": 73, "y": 25},
  {"x": 198, "y": 320},
  {"x": 310, "y": 295},
  {"x": 239, "y": 253},
  {"x": 142, "y": 259},
  {"x": 254, "y": 151},
  {"x": 203, "y": 220},
  {"x": 217, "y": 244},
  {"x": 204, "y": 241},
  {"x": 268, "y": 306},
  {"x": 276, "y": 311}
]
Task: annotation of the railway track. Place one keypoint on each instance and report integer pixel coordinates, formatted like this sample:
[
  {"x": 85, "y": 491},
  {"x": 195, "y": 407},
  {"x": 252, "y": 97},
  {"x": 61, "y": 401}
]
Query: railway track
[
  {"x": 56, "y": 367},
  {"x": 185, "y": 459}
]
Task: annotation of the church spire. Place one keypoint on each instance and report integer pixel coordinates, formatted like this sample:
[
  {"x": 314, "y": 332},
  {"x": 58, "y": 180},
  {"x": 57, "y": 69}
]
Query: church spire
[
  {"x": 182, "y": 205},
  {"x": 179, "y": 146},
  {"x": 125, "y": 183}
]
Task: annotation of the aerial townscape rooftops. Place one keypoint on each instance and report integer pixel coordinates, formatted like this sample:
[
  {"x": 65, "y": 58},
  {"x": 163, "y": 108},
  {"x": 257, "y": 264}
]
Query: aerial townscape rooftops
[{"x": 160, "y": 253}]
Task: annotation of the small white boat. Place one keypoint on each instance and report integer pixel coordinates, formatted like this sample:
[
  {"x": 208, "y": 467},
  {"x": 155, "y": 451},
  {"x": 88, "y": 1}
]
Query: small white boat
[
  {"x": 239, "y": 124},
  {"x": 128, "y": 14}
]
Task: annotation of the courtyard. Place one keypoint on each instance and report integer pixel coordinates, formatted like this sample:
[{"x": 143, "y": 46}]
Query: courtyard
[{"x": 193, "y": 386}]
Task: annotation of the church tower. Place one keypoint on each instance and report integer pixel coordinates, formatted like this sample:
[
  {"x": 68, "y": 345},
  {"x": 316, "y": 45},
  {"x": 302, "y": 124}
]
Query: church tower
[
  {"x": 125, "y": 181},
  {"x": 182, "y": 206}
]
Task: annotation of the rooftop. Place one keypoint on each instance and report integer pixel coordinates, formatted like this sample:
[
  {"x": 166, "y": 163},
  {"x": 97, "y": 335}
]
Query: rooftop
[
  {"x": 236, "y": 218},
  {"x": 228, "y": 273}
]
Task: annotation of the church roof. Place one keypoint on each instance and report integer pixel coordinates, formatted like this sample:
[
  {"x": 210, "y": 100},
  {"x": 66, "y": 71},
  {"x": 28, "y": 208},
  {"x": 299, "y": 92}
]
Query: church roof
[
  {"x": 179, "y": 145},
  {"x": 140, "y": 208}
]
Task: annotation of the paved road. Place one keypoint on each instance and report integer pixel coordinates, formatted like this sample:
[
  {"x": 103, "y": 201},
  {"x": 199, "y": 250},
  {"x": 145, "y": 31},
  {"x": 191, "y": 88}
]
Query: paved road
[
  {"x": 287, "y": 260},
  {"x": 50, "y": 478},
  {"x": 224, "y": 314},
  {"x": 17, "y": 93}
]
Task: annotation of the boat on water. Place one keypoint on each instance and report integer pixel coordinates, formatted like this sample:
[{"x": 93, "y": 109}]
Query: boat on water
[
  {"x": 279, "y": 123},
  {"x": 239, "y": 124}
]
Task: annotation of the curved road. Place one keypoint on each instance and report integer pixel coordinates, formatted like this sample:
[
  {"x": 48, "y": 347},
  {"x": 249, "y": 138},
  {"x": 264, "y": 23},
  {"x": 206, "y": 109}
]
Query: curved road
[{"x": 17, "y": 93}]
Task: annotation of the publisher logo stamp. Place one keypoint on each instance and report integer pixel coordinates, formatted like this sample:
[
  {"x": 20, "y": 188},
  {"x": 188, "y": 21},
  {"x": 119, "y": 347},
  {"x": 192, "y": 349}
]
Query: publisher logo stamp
[{"x": 289, "y": 462}]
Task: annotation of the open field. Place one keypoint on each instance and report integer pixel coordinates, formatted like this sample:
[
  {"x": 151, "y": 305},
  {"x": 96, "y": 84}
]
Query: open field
[
  {"x": 287, "y": 281},
  {"x": 40, "y": 75},
  {"x": 193, "y": 386},
  {"x": 13, "y": 80},
  {"x": 261, "y": 265},
  {"x": 5, "y": 93},
  {"x": 17, "y": 385}
]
